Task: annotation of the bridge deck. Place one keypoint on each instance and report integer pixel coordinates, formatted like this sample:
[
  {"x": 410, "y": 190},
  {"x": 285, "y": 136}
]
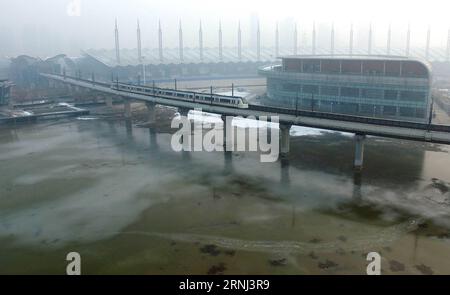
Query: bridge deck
[{"x": 353, "y": 124}]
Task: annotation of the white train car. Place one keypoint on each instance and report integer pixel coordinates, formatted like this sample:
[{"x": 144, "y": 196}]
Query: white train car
[{"x": 197, "y": 97}]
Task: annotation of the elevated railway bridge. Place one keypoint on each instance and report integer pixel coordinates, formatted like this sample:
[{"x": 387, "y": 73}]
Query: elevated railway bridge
[{"x": 360, "y": 126}]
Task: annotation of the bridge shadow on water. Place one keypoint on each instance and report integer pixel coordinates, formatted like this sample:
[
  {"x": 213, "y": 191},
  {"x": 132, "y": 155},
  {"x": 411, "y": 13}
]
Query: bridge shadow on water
[{"x": 317, "y": 173}]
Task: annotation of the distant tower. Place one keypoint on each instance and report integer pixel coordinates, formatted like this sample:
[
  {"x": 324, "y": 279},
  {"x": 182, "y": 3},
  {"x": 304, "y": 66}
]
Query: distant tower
[
  {"x": 200, "y": 41},
  {"x": 408, "y": 40},
  {"x": 388, "y": 45},
  {"x": 139, "y": 45},
  {"x": 277, "y": 41},
  {"x": 314, "y": 39},
  {"x": 427, "y": 47},
  {"x": 447, "y": 57},
  {"x": 295, "y": 39},
  {"x": 369, "y": 45},
  {"x": 258, "y": 43},
  {"x": 332, "y": 40},
  {"x": 350, "y": 46},
  {"x": 117, "y": 44},
  {"x": 180, "y": 42},
  {"x": 239, "y": 42},
  {"x": 160, "y": 42},
  {"x": 220, "y": 41}
]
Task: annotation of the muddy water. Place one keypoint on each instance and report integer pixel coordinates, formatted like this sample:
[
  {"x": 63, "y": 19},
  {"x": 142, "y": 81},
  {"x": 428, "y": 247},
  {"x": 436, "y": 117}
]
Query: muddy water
[{"x": 130, "y": 205}]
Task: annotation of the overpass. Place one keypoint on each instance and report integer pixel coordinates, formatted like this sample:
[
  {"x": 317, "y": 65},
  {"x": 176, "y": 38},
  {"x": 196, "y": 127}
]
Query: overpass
[{"x": 360, "y": 126}]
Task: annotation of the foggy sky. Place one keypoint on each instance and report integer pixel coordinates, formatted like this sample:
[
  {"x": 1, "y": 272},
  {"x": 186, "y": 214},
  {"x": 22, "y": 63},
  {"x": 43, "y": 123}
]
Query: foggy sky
[{"x": 44, "y": 28}]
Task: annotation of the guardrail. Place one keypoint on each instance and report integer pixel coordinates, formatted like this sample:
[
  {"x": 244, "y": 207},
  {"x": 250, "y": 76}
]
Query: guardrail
[{"x": 349, "y": 118}]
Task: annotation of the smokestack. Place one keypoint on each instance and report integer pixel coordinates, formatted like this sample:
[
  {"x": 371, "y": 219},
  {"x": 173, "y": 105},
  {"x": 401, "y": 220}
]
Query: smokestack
[
  {"x": 427, "y": 48},
  {"x": 388, "y": 49},
  {"x": 239, "y": 42},
  {"x": 369, "y": 46},
  {"x": 180, "y": 42},
  {"x": 117, "y": 44},
  {"x": 408, "y": 40},
  {"x": 295, "y": 39},
  {"x": 332, "y": 40},
  {"x": 277, "y": 41},
  {"x": 314, "y": 39},
  {"x": 200, "y": 41},
  {"x": 139, "y": 45},
  {"x": 258, "y": 43},
  {"x": 350, "y": 46},
  {"x": 160, "y": 42},
  {"x": 220, "y": 41}
]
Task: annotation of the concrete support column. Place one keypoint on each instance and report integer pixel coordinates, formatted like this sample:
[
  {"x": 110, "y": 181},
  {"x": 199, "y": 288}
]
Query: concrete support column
[
  {"x": 109, "y": 101},
  {"x": 151, "y": 111},
  {"x": 359, "y": 151},
  {"x": 185, "y": 138},
  {"x": 227, "y": 133},
  {"x": 284, "y": 139},
  {"x": 127, "y": 108}
]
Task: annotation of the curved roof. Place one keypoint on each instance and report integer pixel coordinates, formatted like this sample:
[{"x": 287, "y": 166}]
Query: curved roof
[{"x": 361, "y": 57}]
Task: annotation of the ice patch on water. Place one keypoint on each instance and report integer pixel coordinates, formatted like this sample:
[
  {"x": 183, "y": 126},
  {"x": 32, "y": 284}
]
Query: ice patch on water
[
  {"x": 87, "y": 118},
  {"x": 210, "y": 118}
]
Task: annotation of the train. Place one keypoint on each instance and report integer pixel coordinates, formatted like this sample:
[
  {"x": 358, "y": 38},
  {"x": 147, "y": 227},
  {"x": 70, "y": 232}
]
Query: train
[{"x": 197, "y": 97}]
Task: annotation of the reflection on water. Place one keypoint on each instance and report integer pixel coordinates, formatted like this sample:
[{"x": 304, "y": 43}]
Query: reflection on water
[{"x": 129, "y": 204}]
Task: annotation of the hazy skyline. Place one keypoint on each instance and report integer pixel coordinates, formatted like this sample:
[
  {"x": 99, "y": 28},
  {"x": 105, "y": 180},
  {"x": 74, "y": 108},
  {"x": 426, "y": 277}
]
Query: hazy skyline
[{"x": 45, "y": 28}]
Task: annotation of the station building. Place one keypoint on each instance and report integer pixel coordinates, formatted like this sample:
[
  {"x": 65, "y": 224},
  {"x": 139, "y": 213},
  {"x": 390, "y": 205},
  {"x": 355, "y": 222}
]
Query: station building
[{"x": 391, "y": 87}]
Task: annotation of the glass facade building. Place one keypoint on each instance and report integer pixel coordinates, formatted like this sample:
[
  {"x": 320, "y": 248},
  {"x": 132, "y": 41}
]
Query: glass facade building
[{"x": 373, "y": 86}]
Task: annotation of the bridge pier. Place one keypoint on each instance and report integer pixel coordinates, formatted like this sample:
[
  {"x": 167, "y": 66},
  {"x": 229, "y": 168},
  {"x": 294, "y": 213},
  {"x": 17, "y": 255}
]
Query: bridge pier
[
  {"x": 285, "y": 139},
  {"x": 359, "y": 151},
  {"x": 109, "y": 101},
  {"x": 151, "y": 111},
  {"x": 285, "y": 177},
  {"x": 227, "y": 133},
  {"x": 127, "y": 108},
  {"x": 185, "y": 139}
]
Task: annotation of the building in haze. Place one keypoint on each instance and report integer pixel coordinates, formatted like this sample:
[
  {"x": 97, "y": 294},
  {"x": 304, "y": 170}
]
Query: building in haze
[
  {"x": 5, "y": 90},
  {"x": 390, "y": 87}
]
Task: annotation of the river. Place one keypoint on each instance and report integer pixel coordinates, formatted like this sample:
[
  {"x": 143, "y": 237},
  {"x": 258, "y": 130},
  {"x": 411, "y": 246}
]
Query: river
[{"x": 123, "y": 199}]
